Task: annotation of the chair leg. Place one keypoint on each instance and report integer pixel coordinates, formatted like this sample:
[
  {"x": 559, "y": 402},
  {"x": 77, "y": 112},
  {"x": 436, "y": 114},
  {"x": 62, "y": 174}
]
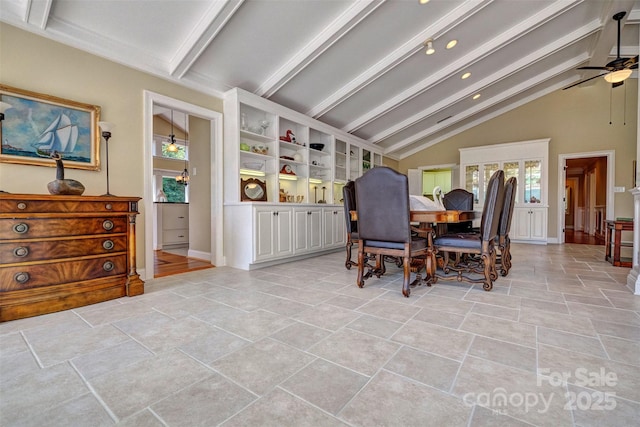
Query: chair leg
[
  {"x": 506, "y": 258},
  {"x": 348, "y": 263},
  {"x": 487, "y": 261},
  {"x": 407, "y": 276},
  {"x": 361, "y": 264}
]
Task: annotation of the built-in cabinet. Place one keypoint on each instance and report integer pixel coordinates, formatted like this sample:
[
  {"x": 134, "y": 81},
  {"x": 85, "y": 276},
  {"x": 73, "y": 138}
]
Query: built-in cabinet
[
  {"x": 173, "y": 224},
  {"x": 528, "y": 161},
  {"x": 283, "y": 179}
]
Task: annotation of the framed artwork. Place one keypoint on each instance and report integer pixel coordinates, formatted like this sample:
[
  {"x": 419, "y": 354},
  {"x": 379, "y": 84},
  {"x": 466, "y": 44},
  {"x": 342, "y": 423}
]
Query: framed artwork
[{"x": 36, "y": 125}]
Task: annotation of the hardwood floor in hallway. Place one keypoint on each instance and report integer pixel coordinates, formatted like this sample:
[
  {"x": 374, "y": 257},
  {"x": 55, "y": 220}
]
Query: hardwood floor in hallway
[
  {"x": 571, "y": 236},
  {"x": 167, "y": 264}
]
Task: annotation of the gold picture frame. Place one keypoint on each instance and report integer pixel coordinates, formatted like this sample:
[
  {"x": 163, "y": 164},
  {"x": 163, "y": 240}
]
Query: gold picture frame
[{"x": 38, "y": 124}]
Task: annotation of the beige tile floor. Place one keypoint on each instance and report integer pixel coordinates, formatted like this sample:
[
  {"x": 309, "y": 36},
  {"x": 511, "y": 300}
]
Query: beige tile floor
[{"x": 556, "y": 343}]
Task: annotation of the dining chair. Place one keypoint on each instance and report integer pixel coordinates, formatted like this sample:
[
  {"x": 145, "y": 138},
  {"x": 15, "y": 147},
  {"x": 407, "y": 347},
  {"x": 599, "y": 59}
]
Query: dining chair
[
  {"x": 458, "y": 199},
  {"x": 503, "y": 240},
  {"x": 349, "y": 200},
  {"x": 465, "y": 245},
  {"x": 382, "y": 200}
]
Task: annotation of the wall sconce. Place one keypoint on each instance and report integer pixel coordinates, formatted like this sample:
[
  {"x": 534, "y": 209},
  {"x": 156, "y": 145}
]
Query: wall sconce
[
  {"x": 106, "y": 128},
  {"x": 429, "y": 45}
]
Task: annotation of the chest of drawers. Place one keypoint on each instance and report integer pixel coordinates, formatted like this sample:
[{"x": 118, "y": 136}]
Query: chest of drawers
[{"x": 61, "y": 252}]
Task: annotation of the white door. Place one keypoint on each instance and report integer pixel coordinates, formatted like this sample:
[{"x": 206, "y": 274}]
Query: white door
[
  {"x": 300, "y": 235},
  {"x": 521, "y": 224},
  {"x": 264, "y": 219},
  {"x": 538, "y": 223},
  {"x": 284, "y": 227},
  {"x": 314, "y": 227}
]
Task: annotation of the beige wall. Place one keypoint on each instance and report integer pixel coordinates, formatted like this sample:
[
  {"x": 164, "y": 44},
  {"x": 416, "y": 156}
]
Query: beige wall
[
  {"x": 30, "y": 62},
  {"x": 200, "y": 186},
  {"x": 576, "y": 120}
]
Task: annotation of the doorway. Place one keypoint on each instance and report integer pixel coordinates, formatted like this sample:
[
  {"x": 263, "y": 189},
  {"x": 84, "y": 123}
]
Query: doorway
[
  {"x": 585, "y": 196},
  {"x": 215, "y": 206}
]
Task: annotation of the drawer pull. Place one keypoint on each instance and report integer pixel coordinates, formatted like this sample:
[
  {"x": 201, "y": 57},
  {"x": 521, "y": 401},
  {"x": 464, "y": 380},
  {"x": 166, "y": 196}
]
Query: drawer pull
[
  {"x": 21, "y": 251},
  {"x": 21, "y": 277},
  {"x": 108, "y": 206},
  {"x": 107, "y": 224},
  {"x": 180, "y": 217},
  {"x": 22, "y": 206},
  {"x": 21, "y": 228},
  {"x": 108, "y": 244},
  {"x": 108, "y": 266}
]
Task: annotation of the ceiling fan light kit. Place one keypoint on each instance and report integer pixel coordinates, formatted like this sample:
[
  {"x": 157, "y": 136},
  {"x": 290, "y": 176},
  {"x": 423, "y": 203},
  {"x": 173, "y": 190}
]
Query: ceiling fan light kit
[{"x": 618, "y": 76}]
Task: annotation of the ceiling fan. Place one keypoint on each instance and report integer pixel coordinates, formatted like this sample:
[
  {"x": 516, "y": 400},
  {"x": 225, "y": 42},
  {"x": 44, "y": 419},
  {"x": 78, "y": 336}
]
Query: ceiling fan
[{"x": 618, "y": 70}]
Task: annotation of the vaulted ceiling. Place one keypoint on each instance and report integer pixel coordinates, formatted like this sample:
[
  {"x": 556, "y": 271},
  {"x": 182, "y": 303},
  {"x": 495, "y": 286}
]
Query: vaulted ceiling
[{"x": 359, "y": 65}]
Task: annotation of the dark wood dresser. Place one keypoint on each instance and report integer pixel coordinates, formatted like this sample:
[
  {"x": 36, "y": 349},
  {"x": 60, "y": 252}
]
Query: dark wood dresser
[{"x": 61, "y": 252}]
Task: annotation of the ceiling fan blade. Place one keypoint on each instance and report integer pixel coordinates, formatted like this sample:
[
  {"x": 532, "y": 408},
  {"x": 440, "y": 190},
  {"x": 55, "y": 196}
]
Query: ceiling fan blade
[
  {"x": 617, "y": 84},
  {"x": 584, "y": 81},
  {"x": 594, "y": 68},
  {"x": 631, "y": 62}
]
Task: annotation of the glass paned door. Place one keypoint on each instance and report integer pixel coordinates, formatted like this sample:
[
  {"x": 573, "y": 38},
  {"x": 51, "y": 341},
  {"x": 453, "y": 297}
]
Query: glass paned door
[
  {"x": 532, "y": 181},
  {"x": 472, "y": 181},
  {"x": 512, "y": 169}
]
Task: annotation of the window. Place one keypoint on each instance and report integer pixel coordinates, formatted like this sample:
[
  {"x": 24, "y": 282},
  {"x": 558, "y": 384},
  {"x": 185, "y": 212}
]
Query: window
[{"x": 176, "y": 193}]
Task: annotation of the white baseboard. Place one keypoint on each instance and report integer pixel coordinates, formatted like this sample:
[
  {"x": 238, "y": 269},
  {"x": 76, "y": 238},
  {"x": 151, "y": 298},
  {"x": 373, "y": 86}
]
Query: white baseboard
[{"x": 205, "y": 256}]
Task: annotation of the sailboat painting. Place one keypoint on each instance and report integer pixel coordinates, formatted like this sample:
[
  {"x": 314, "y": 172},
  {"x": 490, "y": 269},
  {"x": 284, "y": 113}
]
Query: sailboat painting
[{"x": 37, "y": 125}]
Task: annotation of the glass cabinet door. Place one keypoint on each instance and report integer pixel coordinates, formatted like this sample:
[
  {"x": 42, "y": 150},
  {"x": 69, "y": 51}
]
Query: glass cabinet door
[
  {"x": 532, "y": 181},
  {"x": 472, "y": 181},
  {"x": 366, "y": 160},
  {"x": 354, "y": 162},
  {"x": 512, "y": 169},
  {"x": 489, "y": 169}
]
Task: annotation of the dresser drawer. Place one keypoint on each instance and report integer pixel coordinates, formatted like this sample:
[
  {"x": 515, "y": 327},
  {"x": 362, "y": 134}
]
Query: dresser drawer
[
  {"x": 29, "y": 228},
  {"x": 170, "y": 237},
  {"x": 24, "y": 251},
  {"x": 62, "y": 206},
  {"x": 45, "y": 274}
]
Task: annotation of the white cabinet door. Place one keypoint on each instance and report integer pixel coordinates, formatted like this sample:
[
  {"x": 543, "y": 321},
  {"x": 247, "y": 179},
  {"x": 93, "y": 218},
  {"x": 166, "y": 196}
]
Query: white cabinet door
[
  {"x": 307, "y": 233},
  {"x": 340, "y": 231},
  {"x": 283, "y": 231},
  {"x": 264, "y": 220},
  {"x": 273, "y": 232},
  {"x": 334, "y": 227},
  {"x": 529, "y": 224},
  {"x": 538, "y": 223}
]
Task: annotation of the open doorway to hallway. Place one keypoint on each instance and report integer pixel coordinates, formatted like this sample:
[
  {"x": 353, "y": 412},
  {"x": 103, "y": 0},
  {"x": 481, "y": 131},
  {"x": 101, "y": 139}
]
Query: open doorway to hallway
[{"x": 585, "y": 200}]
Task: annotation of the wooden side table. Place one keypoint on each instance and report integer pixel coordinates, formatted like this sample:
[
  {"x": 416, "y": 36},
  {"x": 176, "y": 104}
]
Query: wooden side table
[{"x": 616, "y": 228}]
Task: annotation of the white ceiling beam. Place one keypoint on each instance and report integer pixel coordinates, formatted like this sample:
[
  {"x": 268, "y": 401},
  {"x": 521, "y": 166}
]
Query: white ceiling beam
[
  {"x": 515, "y": 90},
  {"x": 499, "y": 75},
  {"x": 608, "y": 39},
  {"x": 480, "y": 120},
  {"x": 38, "y": 13},
  {"x": 327, "y": 37},
  {"x": 213, "y": 21},
  {"x": 447, "y": 23},
  {"x": 474, "y": 56}
]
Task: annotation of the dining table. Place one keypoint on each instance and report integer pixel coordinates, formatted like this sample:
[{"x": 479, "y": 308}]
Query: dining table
[{"x": 430, "y": 223}]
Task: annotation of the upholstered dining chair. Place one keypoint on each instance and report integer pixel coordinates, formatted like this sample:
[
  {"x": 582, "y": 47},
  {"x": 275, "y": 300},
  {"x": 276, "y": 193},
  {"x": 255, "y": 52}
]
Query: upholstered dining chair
[
  {"x": 349, "y": 200},
  {"x": 503, "y": 241},
  {"x": 482, "y": 244},
  {"x": 382, "y": 200},
  {"x": 458, "y": 199}
]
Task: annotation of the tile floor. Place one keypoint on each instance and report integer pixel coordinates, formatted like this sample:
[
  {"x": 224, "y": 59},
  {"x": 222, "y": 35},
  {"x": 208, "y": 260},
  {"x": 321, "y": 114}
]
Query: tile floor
[{"x": 556, "y": 343}]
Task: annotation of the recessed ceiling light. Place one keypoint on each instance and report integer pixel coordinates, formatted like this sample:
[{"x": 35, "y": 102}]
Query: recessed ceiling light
[
  {"x": 424, "y": 1},
  {"x": 476, "y": 96},
  {"x": 466, "y": 75},
  {"x": 452, "y": 43}
]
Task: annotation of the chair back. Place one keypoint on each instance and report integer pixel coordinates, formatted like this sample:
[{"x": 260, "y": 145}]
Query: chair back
[
  {"x": 493, "y": 201},
  {"x": 382, "y": 200},
  {"x": 458, "y": 199},
  {"x": 349, "y": 199},
  {"x": 510, "y": 188}
]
